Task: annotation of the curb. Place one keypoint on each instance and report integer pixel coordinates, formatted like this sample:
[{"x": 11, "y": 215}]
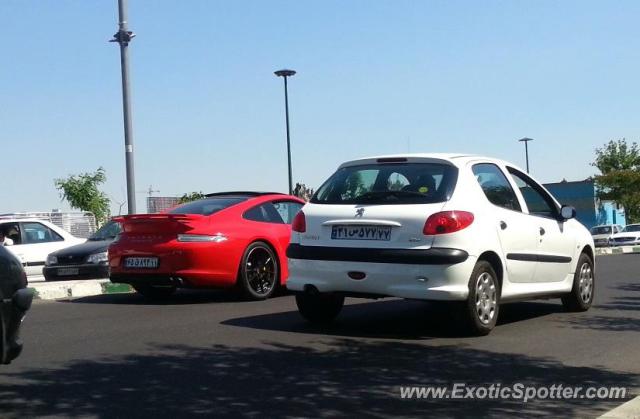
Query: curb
[
  {"x": 57, "y": 290},
  {"x": 617, "y": 250}
]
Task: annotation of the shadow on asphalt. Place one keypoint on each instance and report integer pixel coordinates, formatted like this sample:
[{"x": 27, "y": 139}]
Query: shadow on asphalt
[
  {"x": 344, "y": 376},
  {"x": 181, "y": 297},
  {"x": 391, "y": 319},
  {"x": 620, "y": 310}
]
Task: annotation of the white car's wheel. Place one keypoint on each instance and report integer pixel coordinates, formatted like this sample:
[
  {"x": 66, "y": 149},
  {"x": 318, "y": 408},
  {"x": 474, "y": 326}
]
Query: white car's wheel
[
  {"x": 483, "y": 303},
  {"x": 584, "y": 280}
]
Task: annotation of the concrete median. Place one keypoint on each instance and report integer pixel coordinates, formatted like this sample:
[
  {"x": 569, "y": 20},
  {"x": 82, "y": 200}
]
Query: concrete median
[
  {"x": 617, "y": 250},
  {"x": 57, "y": 290}
]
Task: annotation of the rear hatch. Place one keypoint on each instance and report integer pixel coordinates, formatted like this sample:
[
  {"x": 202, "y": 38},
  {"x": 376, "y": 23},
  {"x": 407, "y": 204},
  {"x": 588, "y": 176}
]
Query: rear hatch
[
  {"x": 373, "y": 226},
  {"x": 379, "y": 203}
]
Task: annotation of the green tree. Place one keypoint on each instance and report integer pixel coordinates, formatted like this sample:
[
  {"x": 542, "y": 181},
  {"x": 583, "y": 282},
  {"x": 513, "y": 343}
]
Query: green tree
[
  {"x": 192, "y": 196},
  {"x": 302, "y": 191},
  {"x": 619, "y": 181},
  {"x": 81, "y": 191}
]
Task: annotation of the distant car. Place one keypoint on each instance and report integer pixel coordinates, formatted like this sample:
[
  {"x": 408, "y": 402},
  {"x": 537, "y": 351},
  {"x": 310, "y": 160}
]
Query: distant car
[
  {"x": 629, "y": 236},
  {"x": 34, "y": 239},
  {"x": 87, "y": 260},
  {"x": 470, "y": 230},
  {"x": 602, "y": 234},
  {"x": 15, "y": 301},
  {"x": 225, "y": 240}
]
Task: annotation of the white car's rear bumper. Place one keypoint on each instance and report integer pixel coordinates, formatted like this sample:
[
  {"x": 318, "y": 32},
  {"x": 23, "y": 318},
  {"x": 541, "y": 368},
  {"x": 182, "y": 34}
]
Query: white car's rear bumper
[{"x": 428, "y": 281}]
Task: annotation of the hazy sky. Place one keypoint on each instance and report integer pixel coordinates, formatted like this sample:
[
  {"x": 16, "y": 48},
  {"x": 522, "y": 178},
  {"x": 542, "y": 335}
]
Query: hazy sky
[{"x": 373, "y": 77}]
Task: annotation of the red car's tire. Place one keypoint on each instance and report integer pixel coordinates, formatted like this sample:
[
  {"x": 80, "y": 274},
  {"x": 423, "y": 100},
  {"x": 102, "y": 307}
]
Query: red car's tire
[{"x": 259, "y": 273}]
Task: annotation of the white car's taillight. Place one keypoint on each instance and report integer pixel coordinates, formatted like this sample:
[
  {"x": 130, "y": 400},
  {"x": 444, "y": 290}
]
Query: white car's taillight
[
  {"x": 447, "y": 222},
  {"x": 299, "y": 223}
]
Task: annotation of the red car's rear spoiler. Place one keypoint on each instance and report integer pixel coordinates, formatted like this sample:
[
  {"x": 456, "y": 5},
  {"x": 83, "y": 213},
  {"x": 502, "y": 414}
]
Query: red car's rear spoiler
[
  {"x": 152, "y": 223},
  {"x": 159, "y": 216}
]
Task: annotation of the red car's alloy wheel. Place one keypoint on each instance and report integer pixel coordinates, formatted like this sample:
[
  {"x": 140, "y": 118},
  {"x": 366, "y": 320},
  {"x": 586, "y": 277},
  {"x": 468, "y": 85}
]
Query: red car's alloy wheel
[{"x": 260, "y": 271}]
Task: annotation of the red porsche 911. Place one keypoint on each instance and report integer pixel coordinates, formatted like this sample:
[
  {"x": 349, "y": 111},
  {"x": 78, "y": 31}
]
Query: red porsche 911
[{"x": 222, "y": 241}]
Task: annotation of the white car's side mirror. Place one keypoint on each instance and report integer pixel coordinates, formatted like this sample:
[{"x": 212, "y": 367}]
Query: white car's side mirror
[{"x": 567, "y": 212}]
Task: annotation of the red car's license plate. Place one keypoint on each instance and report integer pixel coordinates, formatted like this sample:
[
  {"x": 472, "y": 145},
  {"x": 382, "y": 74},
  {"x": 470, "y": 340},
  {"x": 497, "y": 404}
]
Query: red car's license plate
[{"x": 139, "y": 262}]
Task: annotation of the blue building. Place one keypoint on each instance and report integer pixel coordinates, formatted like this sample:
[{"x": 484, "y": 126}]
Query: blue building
[{"x": 590, "y": 210}]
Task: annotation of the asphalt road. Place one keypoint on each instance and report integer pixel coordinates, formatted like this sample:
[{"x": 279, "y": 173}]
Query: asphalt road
[{"x": 211, "y": 354}]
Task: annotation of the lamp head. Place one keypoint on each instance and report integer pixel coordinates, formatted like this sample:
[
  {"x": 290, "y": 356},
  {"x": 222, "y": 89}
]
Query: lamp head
[{"x": 284, "y": 73}]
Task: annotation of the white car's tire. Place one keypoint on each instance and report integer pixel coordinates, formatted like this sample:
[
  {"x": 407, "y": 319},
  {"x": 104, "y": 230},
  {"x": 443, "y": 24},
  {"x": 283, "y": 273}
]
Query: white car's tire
[
  {"x": 584, "y": 280},
  {"x": 483, "y": 303}
]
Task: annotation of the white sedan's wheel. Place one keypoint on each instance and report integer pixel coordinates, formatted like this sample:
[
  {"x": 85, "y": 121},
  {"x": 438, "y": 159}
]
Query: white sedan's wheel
[
  {"x": 486, "y": 298},
  {"x": 483, "y": 303},
  {"x": 584, "y": 280}
]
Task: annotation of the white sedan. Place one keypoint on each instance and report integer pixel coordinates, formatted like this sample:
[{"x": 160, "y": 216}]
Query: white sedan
[
  {"x": 31, "y": 240},
  {"x": 629, "y": 236},
  {"x": 470, "y": 230}
]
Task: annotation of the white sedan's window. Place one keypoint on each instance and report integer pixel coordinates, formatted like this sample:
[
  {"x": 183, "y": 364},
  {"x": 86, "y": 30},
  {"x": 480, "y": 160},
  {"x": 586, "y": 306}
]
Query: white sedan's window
[
  {"x": 389, "y": 184},
  {"x": 495, "y": 186},
  {"x": 33, "y": 233},
  {"x": 537, "y": 202}
]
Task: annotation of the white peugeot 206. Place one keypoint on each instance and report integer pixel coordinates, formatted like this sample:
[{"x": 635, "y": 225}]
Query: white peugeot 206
[{"x": 471, "y": 230}]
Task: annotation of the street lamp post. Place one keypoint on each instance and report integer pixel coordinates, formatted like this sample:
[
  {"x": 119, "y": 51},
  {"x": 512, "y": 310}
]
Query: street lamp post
[
  {"x": 286, "y": 74},
  {"x": 526, "y": 149},
  {"x": 123, "y": 37}
]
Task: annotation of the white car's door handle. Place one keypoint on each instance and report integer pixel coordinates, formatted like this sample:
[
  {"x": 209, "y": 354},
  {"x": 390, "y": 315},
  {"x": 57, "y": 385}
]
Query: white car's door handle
[
  {"x": 542, "y": 231},
  {"x": 503, "y": 225}
]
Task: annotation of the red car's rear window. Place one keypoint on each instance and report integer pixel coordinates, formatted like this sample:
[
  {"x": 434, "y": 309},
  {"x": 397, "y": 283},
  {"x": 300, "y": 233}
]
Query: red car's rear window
[{"x": 207, "y": 206}]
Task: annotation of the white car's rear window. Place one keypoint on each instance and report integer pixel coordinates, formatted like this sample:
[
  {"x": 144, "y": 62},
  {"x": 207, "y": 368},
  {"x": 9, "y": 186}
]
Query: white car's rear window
[{"x": 389, "y": 183}]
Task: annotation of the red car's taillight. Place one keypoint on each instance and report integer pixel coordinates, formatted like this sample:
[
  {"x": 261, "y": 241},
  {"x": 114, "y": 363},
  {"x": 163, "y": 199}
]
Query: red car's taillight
[
  {"x": 299, "y": 223},
  {"x": 447, "y": 222}
]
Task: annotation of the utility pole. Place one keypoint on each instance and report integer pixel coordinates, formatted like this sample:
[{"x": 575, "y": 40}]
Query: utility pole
[
  {"x": 526, "y": 149},
  {"x": 285, "y": 74},
  {"x": 123, "y": 37}
]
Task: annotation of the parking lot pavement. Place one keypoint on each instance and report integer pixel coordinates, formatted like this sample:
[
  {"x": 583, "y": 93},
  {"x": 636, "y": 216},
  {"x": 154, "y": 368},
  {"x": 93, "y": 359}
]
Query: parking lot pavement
[{"x": 208, "y": 352}]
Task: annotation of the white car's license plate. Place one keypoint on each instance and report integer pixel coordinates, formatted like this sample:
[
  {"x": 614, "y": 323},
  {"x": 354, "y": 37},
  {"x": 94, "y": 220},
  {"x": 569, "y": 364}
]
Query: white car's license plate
[
  {"x": 67, "y": 271},
  {"x": 363, "y": 232},
  {"x": 137, "y": 262}
]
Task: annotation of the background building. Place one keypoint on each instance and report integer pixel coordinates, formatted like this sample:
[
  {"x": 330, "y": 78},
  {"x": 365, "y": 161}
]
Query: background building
[
  {"x": 590, "y": 210},
  {"x": 161, "y": 203}
]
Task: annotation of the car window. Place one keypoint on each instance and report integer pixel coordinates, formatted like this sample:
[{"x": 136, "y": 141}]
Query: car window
[
  {"x": 108, "y": 231},
  {"x": 207, "y": 206},
  {"x": 12, "y": 231},
  {"x": 602, "y": 230},
  {"x": 495, "y": 186},
  {"x": 389, "y": 183},
  {"x": 538, "y": 202},
  {"x": 34, "y": 233},
  {"x": 631, "y": 228},
  {"x": 287, "y": 210},
  {"x": 265, "y": 213}
]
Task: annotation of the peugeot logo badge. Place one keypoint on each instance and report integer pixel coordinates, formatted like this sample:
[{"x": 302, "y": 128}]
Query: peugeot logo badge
[{"x": 359, "y": 212}]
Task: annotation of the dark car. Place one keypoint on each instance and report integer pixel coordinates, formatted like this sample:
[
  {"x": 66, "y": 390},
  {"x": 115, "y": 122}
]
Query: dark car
[
  {"x": 15, "y": 301},
  {"x": 87, "y": 260}
]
